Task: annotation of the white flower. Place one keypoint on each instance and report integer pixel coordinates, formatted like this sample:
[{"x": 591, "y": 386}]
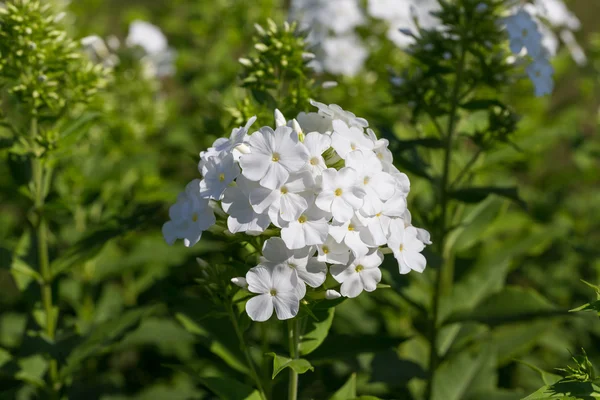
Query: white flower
[
  {"x": 310, "y": 228},
  {"x": 333, "y": 111},
  {"x": 219, "y": 174},
  {"x": 380, "y": 147},
  {"x": 354, "y": 234},
  {"x": 223, "y": 146},
  {"x": 190, "y": 216},
  {"x": 274, "y": 154},
  {"x": 276, "y": 290},
  {"x": 345, "y": 139},
  {"x": 406, "y": 247},
  {"x": 347, "y": 48},
  {"x": 523, "y": 32},
  {"x": 332, "y": 294},
  {"x": 362, "y": 273},
  {"x": 540, "y": 72},
  {"x": 148, "y": 36},
  {"x": 340, "y": 194},
  {"x": 422, "y": 234},
  {"x": 286, "y": 202},
  {"x": 242, "y": 217},
  {"x": 315, "y": 122},
  {"x": 310, "y": 271},
  {"x": 333, "y": 252},
  {"x": 316, "y": 143},
  {"x": 379, "y": 224},
  {"x": 378, "y": 185}
]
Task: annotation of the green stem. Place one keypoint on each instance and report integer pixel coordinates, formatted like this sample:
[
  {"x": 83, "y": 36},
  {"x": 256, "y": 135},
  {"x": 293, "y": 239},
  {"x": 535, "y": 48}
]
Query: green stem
[
  {"x": 445, "y": 275},
  {"x": 39, "y": 173},
  {"x": 246, "y": 351},
  {"x": 294, "y": 341}
]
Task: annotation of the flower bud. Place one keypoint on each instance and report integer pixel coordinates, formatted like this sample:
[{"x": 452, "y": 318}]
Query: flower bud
[
  {"x": 240, "y": 281},
  {"x": 332, "y": 295},
  {"x": 279, "y": 119}
]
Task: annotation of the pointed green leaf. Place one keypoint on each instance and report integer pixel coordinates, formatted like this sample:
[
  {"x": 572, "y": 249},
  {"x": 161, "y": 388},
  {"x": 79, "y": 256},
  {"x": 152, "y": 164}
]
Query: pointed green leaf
[
  {"x": 348, "y": 391},
  {"x": 512, "y": 304},
  {"x": 316, "y": 331},
  {"x": 280, "y": 363},
  {"x": 478, "y": 194},
  {"x": 567, "y": 391}
]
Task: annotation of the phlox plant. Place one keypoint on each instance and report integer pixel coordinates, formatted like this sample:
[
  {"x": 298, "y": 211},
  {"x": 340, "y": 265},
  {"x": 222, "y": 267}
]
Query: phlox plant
[{"x": 291, "y": 247}]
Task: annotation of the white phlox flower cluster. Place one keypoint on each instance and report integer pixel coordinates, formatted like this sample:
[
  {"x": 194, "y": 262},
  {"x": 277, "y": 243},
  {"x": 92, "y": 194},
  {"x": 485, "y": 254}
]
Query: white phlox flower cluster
[
  {"x": 525, "y": 37},
  {"x": 326, "y": 185},
  {"x": 158, "y": 58},
  {"x": 331, "y": 26}
]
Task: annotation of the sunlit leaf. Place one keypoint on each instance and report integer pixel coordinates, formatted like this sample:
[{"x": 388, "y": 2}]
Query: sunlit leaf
[{"x": 280, "y": 363}]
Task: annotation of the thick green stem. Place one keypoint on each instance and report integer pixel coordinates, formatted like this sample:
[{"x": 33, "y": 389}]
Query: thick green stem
[
  {"x": 294, "y": 342},
  {"x": 445, "y": 275},
  {"x": 39, "y": 174},
  {"x": 246, "y": 351}
]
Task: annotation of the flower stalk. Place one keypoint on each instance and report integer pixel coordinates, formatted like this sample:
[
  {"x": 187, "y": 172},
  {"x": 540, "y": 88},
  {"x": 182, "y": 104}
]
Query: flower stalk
[
  {"x": 445, "y": 275},
  {"x": 294, "y": 342},
  {"x": 246, "y": 351},
  {"x": 39, "y": 174}
]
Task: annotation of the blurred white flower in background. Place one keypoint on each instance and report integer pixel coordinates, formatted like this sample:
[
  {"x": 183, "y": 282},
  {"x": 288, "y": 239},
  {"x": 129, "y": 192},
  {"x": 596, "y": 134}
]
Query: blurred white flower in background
[
  {"x": 401, "y": 14},
  {"x": 157, "y": 58},
  {"x": 331, "y": 26},
  {"x": 553, "y": 15}
]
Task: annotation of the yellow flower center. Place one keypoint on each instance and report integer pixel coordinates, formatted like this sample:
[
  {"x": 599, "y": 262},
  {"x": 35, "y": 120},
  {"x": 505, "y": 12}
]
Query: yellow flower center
[
  {"x": 378, "y": 215},
  {"x": 325, "y": 250},
  {"x": 273, "y": 292},
  {"x": 283, "y": 190},
  {"x": 338, "y": 192},
  {"x": 401, "y": 247},
  {"x": 359, "y": 268},
  {"x": 538, "y": 74},
  {"x": 221, "y": 177},
  {"x": 366, "y": 180},
  {"x": 275, "y": 157},
  {"x": 380, "y": 156},
  {"x": 302, "y": 219},
  {"x": 352, "y": 146},
  {"x": 350, "y": 227},
  {"x": 314, "y": 161},
  {"x": 524, "y": 32},
  {"x": 194, "y": 217}
]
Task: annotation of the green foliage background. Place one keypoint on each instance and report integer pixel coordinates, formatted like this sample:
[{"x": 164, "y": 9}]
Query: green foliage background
[{"x": 135, "y": 299}]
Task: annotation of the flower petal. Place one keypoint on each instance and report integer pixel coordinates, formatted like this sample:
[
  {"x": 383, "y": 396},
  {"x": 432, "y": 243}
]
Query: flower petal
[
  {"x": 275, "y": 176},
  {"x": 260, "y": 308},
  {"x": 286, "y": 305}
]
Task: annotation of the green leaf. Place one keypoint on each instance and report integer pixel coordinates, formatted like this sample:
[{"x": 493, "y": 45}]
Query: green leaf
[
  {"x": 547, "y": 377},
  {"x": 475, "y": 224},
  {"x": 512, "y": 304},
  {"x": 567, "y": 391},
  {"x": 215, "y": 334},
  {"x": 89, "y": 246},
  {"x": 430, "y": 143},
  {"x": 224, "y": 387},
  {"x": 477, "y": 194},
  {"x": 280, "y": 363},
  {"x": 456, "y": 376},
  {"x": 316, "y": 331},
  {"x": 23, "y": 274},
  {"x": 348, "y": 391},
  {"x": 104, "y": 335},
  {"x": 481, "y": 104},
  {"x": 336, "y": 347}
]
